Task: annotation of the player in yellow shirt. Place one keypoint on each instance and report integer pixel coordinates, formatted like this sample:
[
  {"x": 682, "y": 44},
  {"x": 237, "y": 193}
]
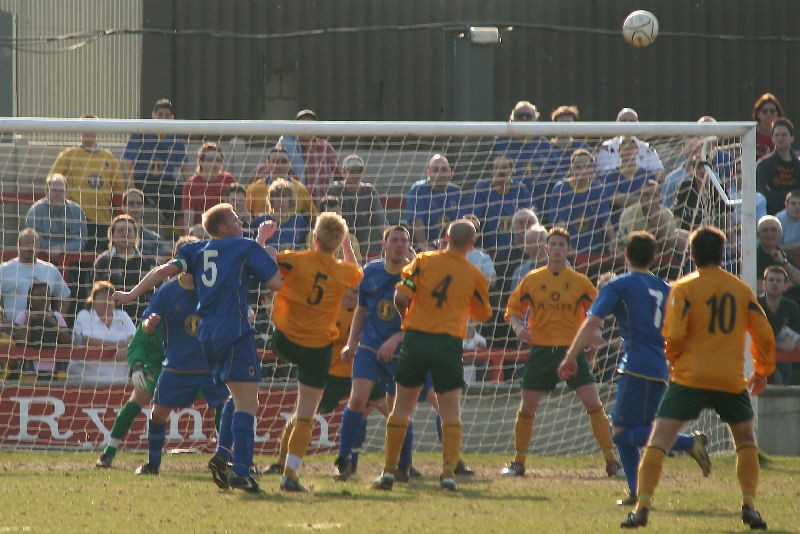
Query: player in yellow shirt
[
  {"x": 304, "y": 314},
  {"x": 709, "y": 312},
  {"x": 93, "y": 177},
  {"x": 557, "y": 298},
  {"x": 436, "y": 294}
]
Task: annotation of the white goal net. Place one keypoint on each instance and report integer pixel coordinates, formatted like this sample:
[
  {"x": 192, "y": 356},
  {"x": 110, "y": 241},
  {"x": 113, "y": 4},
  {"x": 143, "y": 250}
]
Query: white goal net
[{"x": 60, "y": 389}]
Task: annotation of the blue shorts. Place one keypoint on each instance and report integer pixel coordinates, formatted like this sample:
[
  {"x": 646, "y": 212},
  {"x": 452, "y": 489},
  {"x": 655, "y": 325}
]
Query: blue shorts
[
  {"x": 179, "y": 390},
  {"x": 637, "y": 401},
  {"x": 367, "y": 365},
  {"x": 232, "y": 356},
  {"x": 426, "y": 387}
]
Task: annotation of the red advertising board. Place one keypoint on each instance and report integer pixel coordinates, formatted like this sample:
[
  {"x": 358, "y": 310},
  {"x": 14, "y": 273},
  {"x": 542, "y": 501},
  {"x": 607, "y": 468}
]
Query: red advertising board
[{"x": 73, "y": 417}]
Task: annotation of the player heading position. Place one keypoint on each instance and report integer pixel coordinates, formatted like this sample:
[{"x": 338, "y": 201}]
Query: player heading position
[
  {"x": 436, "y": 294},
  {"x": 304, "y": 315},
  {"x": 557, "y": 299},
  {"x": 374, "y": 346},
  {"x": 185, "y": 371},
  {"x": 708, "y": 313},
  {"x": 220, "y": 268},
  {"x": 637, "y": 299}
]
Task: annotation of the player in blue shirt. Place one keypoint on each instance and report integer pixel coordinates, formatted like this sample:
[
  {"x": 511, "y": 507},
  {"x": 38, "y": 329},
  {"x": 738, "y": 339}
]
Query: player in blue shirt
[
  {"x": 374, "y": 345},
  {"x": 220, "y": 268},
  {"x": 494, "y": 201},
  {"x": 185, "y": 371},
  {"x": 637, "y": 299},
  {"x": 432, "y": 204}
]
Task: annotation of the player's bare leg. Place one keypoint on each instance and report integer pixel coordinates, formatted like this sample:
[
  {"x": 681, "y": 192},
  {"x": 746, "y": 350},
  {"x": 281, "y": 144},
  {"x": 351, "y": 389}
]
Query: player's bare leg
[
  {"x": 307, "y": 401},
  {"x": 590, "y": 398},
  {"x": 396, "y": 427},
  {"x": 523, "y": 430},
  {"x": 747, "y": 471}
]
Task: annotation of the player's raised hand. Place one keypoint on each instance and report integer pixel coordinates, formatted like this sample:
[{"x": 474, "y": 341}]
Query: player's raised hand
[
  {"x": 347, "y": 353},
  {"x": 121, "y": 297},
  {"x": 568, "y": 368},
  {"x": 265, "y": 230},
  {"x": 756, "y": 384}
]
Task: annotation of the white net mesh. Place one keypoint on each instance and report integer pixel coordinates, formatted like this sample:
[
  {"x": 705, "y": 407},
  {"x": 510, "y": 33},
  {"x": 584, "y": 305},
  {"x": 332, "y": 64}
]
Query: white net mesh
[{"x": 57, "y": 393}]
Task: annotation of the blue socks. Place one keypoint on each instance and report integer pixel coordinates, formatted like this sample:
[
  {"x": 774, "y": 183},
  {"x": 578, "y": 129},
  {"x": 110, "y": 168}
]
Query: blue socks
[
  {"x": 683, "y": 442},
  {"x": 156, "y": 436},
  {"x": 629, "y": 458},
  {"x": 349, "y": 432},
  {"x": 359, "y": 442},
  {"x": 225, "y": 431},
  {"x": 439, "y": 427},
  {"x": 404, "y": 462},
  {"x": 243, "y": 442}
]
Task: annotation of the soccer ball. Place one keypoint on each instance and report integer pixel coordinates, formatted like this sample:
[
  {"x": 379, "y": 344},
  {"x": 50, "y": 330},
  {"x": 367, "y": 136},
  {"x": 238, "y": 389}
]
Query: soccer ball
[{"x": 640, "y": 28}]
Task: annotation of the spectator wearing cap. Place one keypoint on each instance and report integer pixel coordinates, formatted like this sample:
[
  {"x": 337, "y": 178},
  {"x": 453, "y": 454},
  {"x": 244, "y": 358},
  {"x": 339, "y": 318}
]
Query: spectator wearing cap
[
  {"x": 313, "y": 159},
  {"x": 610, "y": 157},
  {"x": 360, "y": 205},
  {"x": 61, "y": 223},
  {"x": 529, "y": 154},
  {"x": 277, "y": 168},
  {"x": 158, "y": 165}
]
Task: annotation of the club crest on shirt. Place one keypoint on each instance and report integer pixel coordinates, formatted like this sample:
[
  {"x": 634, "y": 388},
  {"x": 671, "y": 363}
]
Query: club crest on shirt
[
  {"x": 190, "y": 324},
  {"x": 386, "y": 310}
]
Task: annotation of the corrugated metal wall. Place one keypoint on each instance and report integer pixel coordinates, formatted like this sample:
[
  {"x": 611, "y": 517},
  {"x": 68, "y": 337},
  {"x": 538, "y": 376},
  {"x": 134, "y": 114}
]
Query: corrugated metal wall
[
  {"x": 65, "y": 79},
  {"x": 398, "y": 74}
]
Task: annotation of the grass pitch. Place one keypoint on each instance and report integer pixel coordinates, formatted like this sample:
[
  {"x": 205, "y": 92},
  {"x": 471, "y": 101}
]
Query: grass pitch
[{"x": 63, "y": 492}]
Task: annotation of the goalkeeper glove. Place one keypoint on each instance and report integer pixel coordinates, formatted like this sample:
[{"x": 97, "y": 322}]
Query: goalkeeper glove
[{"x": 139, "y": 377}]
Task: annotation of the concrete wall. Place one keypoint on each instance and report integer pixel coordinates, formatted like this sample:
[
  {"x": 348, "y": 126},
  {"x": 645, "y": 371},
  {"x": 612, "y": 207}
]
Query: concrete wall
[{"x": 779, "y": 420}]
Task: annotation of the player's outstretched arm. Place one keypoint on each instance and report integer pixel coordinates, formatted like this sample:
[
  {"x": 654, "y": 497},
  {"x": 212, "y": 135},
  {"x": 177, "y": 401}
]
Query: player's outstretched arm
[
  {"x": 584, "y": 337},
  {"x": 150, "y": 280},
  {"x": 347, "y": 249}
]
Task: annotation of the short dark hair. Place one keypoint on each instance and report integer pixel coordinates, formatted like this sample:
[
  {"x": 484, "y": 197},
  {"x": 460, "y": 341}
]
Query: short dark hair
[
  {"x": 786, "y": 123},
  {"x": 329, "y": 201},
  {"x": 396, "y": 227},
  {"x": 165, "y": 103},
  {"x": 559, "y": 231},
  {"x": 708, "y": 246},
  {"x": 776, "y": 269},
  {"x": 641, "y": 249}
]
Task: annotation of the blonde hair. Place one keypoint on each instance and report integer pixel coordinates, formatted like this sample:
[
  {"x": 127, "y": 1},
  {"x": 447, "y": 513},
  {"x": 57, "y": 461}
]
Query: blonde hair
[
  {"x": 281, "y": 188},
  {"x": 330, "y": 231},
  {"x": 214, "y": 216},
  {"x": 98, "y": 287}
]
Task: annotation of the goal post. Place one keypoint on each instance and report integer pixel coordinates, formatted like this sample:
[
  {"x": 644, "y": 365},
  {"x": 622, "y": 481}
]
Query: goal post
[{"x": 41, "y": 408}]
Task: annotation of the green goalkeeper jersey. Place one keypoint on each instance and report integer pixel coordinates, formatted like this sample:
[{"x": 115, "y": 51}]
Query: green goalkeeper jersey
[{"x": 147, "y": 349}]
